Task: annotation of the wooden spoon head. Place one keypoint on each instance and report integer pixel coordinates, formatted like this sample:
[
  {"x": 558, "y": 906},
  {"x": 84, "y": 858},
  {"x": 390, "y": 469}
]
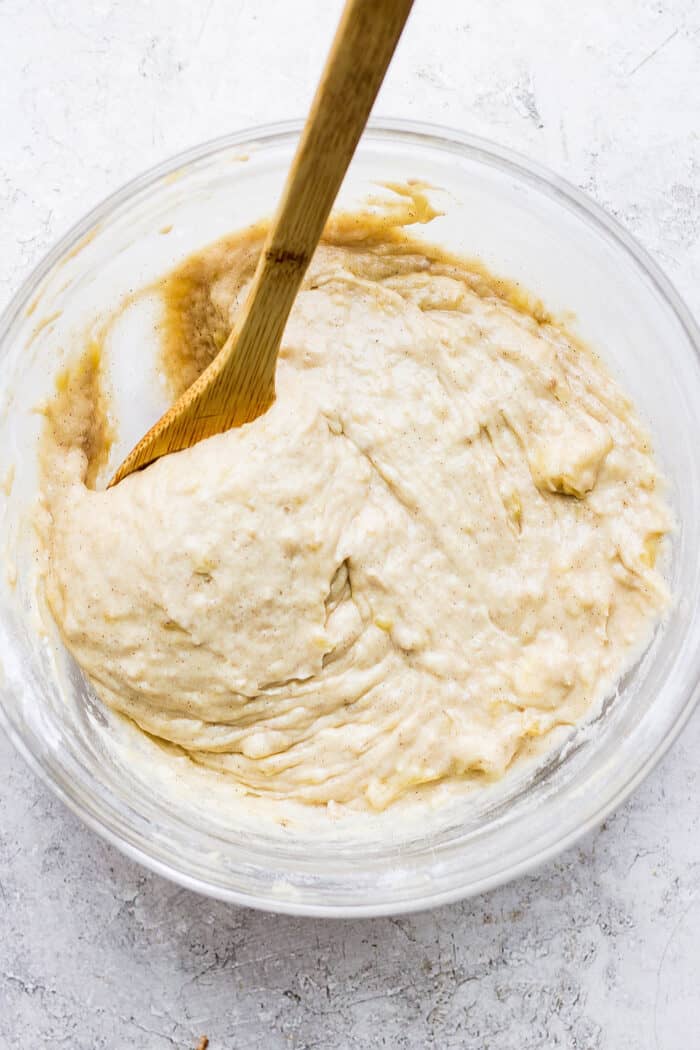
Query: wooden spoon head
[{"x": 213, "y": 404}]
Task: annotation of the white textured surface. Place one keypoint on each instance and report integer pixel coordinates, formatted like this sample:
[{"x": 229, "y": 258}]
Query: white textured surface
[{"x": 602, "y": 948}]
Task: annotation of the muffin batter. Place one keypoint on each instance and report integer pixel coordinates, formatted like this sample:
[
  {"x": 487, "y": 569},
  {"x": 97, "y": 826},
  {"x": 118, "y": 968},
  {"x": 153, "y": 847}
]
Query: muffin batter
[{"x": 438, "y": 544}]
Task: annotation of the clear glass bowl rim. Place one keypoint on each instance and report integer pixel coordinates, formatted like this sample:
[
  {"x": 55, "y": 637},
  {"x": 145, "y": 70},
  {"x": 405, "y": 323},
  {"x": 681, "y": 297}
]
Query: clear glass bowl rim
[{"x": 447, "y": 139}]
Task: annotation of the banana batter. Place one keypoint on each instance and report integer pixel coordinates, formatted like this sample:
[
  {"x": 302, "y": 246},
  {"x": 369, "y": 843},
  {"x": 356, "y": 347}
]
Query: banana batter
[{"x": 437, "y": 545}]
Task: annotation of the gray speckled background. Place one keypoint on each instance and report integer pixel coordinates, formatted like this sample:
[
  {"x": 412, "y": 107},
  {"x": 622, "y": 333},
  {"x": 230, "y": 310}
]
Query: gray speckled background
[{"x": 601, "y": 949}]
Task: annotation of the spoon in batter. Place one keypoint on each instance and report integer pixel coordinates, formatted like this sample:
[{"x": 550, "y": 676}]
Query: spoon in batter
[{"x": 239, "y": 384}]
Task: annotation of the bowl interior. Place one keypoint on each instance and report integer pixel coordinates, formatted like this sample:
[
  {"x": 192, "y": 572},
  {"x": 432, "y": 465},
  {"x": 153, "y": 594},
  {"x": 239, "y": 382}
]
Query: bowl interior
[{"x": 524, "y": 225}]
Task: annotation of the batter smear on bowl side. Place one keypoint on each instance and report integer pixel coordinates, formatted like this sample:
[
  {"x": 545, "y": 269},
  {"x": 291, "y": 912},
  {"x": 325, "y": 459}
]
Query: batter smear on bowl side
[{"x": 438, "y": 544}]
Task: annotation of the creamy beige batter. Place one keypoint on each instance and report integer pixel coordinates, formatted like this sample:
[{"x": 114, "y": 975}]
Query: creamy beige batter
[{"x": 438, "y": 544}]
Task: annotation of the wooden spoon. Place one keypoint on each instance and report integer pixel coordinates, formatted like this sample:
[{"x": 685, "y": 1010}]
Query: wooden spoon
[{"x": 239, "y": 384}]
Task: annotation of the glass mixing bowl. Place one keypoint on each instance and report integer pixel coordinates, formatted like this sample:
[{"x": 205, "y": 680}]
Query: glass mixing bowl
[{"x": 525, "y": 224}]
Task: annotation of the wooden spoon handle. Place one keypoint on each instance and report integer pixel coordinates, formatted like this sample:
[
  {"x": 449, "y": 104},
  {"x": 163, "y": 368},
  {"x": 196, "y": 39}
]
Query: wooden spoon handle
[{"x": 362, "y": 48}]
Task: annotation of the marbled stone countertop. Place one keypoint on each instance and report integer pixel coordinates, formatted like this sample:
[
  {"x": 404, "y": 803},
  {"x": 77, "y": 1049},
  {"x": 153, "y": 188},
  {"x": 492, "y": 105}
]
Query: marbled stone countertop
[{"x": 600, "y": 949}]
